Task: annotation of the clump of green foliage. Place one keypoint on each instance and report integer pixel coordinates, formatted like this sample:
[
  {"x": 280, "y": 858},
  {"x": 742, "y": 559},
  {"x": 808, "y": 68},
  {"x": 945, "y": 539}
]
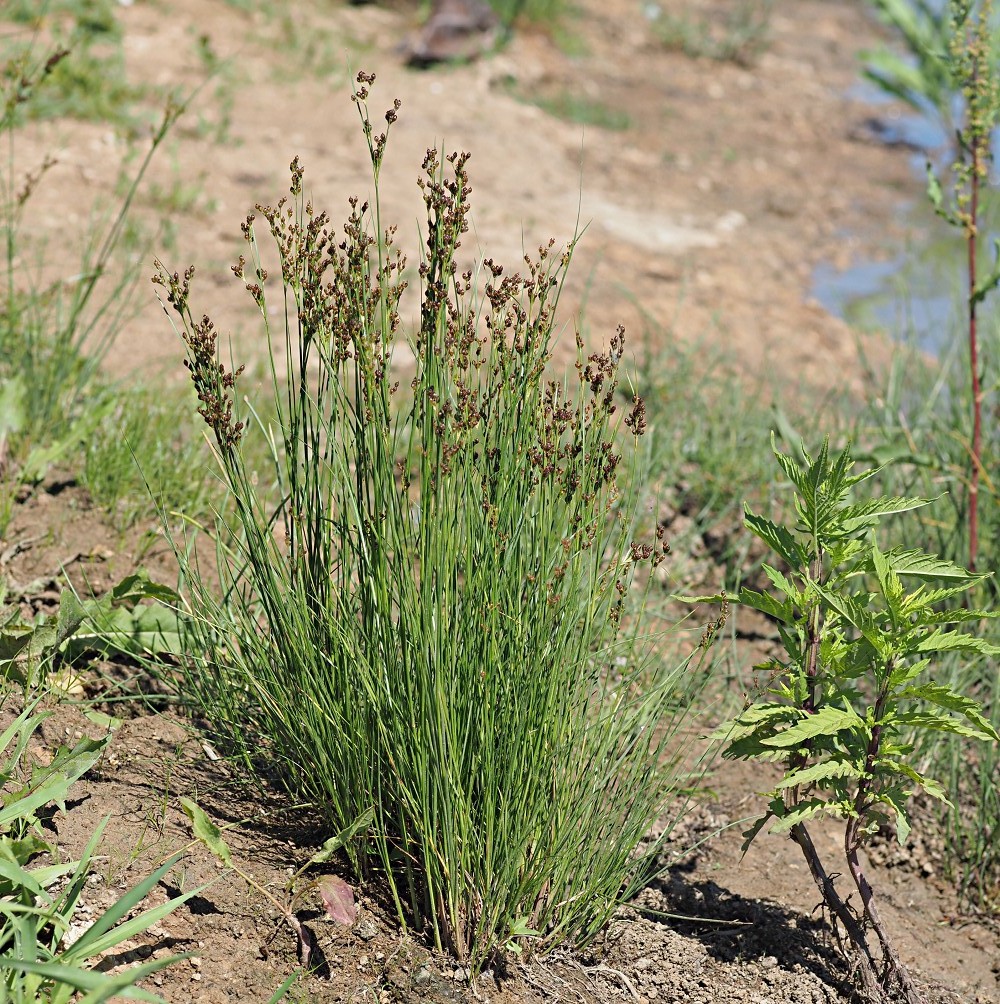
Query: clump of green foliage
[
  {"x": 57, "y": 324},
  {"x": 426, "y": 625},
  {"x": 39, "y": 959},
  {"x": 853, "y": 689}
]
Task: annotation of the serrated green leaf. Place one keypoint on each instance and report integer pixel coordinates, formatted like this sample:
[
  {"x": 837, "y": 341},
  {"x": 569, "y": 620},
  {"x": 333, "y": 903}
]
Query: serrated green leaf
[
  {"x": 888, "y": 580},
  {"x": 826, "y": 770},
  {"x": 800, "y": 813},
  {"x": 779, "y": 581},
  {"x": 953, "y": 641},
  {"x": 856, "y": 612},
  {"x": 894, "y": 800},
  {"x": 765, "y": 603},
  {"x": 792, "y": 471},
  {"x": 945, "y": 697},
  {"x": 868, "y": 513},
  {"x": 828, "y": 721},
  {"x": 928, "y": 566},
  {"x": 775, "y": 536},
  {"x": 904, "y": 672},
  {"x": 938, "y": 723},
  {"x": 932, "y": 787},
  {"x": 954, "y": 615}
]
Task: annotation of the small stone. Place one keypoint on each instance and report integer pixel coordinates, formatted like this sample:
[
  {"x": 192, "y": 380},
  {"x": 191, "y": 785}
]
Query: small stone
[
  {"x": 643, "y": 963},
  {"x": 365, "y": 929},
  {"x": 768, "y": 962},
  {"x": 422, "y": 976}
]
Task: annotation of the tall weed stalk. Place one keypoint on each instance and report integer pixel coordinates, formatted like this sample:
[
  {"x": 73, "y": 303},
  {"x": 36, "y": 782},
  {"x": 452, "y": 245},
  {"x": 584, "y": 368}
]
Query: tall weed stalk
[
  {"x": 916, "y": 417},
  {"x": 972, "y": 61},
  {"x": 430, "y": 622}
]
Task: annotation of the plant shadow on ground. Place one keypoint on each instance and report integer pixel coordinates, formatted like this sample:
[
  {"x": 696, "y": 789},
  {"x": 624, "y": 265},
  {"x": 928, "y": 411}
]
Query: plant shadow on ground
[{"x": 737, "y": 928}]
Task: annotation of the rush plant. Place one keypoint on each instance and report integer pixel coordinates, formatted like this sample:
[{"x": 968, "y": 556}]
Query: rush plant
[
  {"x": 426, "y": 624},
  {"x": 853, "y": 692}
]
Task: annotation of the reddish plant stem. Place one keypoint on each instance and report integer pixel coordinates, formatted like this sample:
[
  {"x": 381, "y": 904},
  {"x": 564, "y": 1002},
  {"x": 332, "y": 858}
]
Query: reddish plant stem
[
  {"x": 892, "y": 968},
  {"x": 864, "y": 960},
  {"x": 977, "y": 393}
]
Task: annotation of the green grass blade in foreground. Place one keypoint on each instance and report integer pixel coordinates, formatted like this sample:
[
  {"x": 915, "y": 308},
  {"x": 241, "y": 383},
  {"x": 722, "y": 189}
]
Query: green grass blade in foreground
[{"x": 96, "y": 987}]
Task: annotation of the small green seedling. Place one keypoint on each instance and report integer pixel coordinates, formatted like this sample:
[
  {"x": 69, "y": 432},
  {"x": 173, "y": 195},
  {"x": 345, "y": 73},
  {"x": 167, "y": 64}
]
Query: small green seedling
[{"x": 852, "y": 688}]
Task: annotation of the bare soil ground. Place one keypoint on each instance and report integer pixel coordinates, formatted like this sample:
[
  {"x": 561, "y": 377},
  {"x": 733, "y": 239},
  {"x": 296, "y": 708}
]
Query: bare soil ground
[{"x": 705, "y": 217}]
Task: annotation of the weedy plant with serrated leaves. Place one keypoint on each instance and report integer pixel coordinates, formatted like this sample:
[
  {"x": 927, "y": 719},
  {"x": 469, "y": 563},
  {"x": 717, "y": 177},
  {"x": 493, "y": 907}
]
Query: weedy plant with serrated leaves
[
  {"x": 853, "y": 689},
  {"x": 426, "y": 620}
]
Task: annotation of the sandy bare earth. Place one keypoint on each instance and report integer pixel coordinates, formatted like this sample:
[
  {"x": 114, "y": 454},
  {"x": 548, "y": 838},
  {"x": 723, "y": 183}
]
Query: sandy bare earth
[{"x": 705, "y": 217}]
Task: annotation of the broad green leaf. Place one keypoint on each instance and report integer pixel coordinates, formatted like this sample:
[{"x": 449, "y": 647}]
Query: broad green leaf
[
  {"x": 139, "y": 586},
  {"x": 828, "y": 721},
  {"x": 144, "y": 630},
  {"x": 53, "y": 786},
  {"x": 206, "y": 831}
]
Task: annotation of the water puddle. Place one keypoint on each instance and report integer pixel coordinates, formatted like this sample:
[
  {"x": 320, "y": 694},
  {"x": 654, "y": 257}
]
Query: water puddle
[{"x": 913, "y": 292}]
